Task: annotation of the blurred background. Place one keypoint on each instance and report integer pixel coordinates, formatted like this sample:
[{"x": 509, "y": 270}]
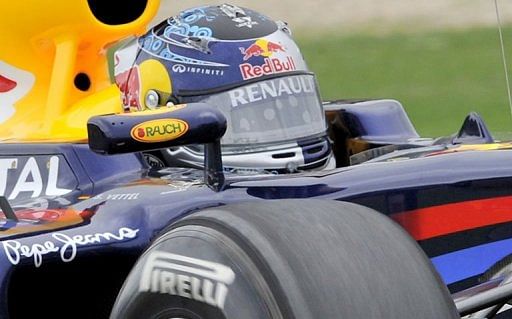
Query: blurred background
[{"x": 440, "y": 58}]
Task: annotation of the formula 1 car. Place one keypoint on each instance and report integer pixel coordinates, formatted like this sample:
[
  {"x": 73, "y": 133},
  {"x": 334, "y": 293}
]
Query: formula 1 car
[{"x": 89, "y": 229}]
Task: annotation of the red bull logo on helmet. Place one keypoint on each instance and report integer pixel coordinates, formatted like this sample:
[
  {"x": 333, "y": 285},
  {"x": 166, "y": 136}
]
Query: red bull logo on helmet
[
  {"x": 271, "y": 66},
  {"x": 273, "y": 61},
  {"x": 263, "y": 48}
]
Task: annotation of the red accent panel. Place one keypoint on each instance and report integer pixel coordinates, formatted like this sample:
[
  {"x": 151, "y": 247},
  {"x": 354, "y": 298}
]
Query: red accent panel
[
  {"x": 6, "y": 85},
  {"x": 441, "y": 220}
]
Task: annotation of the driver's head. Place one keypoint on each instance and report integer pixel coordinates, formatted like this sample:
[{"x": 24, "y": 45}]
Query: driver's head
[{"x": 243, "y": 63}]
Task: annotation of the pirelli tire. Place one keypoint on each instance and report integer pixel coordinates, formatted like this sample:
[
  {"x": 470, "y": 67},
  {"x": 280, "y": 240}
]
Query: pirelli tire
[{"x": 284, "y": 259}]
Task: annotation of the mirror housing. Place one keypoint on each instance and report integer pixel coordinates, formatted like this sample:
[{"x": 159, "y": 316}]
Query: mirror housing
[{"x": 194, "y": 123}]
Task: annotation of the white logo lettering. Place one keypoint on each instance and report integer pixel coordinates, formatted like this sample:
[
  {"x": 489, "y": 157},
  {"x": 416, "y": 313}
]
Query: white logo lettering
[
  {"x": 24, "y": 185},
  {"x": 30, "y": 179},
  {"x": 271, "y": 89},
  {"x": 180, "y": 68},
  {"x": 5, "y": 165},
  {"x": 68, "y": 247},
  {"x": 53, "y": 171},
  {"x": 122, "y": 196},
  {"x": 188, "y": 277}
]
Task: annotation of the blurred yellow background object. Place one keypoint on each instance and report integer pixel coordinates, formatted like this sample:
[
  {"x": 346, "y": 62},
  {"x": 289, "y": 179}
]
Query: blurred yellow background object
[{"x": 53, "y": 64}]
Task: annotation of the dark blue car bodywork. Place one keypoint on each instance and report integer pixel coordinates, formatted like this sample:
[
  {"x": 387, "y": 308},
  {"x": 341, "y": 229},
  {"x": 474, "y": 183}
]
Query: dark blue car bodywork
[{"x": 93, "y": 215}]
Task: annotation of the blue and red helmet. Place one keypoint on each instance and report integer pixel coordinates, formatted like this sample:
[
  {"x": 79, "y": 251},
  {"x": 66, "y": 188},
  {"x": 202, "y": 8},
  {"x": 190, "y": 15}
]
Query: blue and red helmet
[{"x": 243, "y": 63}]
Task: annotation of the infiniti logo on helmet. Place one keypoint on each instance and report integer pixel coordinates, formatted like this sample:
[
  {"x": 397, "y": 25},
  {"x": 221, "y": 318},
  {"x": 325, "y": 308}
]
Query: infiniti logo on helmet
[{"x": 180, "y": 68}]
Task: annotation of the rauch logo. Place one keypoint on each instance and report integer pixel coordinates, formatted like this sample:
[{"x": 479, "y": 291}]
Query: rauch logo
[{"x": 159, "y": 130}]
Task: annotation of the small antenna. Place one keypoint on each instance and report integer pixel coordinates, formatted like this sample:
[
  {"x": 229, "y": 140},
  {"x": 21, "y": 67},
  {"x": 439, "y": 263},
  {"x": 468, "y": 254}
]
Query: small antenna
[{"x": 505, "y": 65}]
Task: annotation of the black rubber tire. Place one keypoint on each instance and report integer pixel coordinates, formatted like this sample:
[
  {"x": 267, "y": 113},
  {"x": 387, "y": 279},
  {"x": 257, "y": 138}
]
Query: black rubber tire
[{"x": 290, "y": 259}]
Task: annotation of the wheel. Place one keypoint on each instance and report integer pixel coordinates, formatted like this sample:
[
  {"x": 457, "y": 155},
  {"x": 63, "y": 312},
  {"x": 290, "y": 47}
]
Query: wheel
[{"x": 284, "y": 259}]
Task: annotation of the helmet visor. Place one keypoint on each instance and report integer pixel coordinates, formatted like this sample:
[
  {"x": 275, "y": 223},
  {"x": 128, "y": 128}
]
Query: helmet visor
[{"x": 275, "y": 110}]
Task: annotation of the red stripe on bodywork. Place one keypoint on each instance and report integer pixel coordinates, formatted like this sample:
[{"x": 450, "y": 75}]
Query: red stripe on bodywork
[{"x": 441, "y": 220}]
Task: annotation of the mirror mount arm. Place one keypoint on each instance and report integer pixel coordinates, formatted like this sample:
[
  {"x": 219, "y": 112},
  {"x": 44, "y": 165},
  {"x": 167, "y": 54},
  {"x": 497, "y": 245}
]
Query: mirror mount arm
[{"x": 213, "y": 169}]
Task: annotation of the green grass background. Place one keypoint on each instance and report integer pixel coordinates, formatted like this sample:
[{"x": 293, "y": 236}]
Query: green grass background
[{"x": 438, "y": 76}]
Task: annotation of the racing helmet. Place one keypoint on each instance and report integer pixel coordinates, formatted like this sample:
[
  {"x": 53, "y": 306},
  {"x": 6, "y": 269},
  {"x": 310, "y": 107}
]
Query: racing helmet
[{"x": 246, "y": 65}]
